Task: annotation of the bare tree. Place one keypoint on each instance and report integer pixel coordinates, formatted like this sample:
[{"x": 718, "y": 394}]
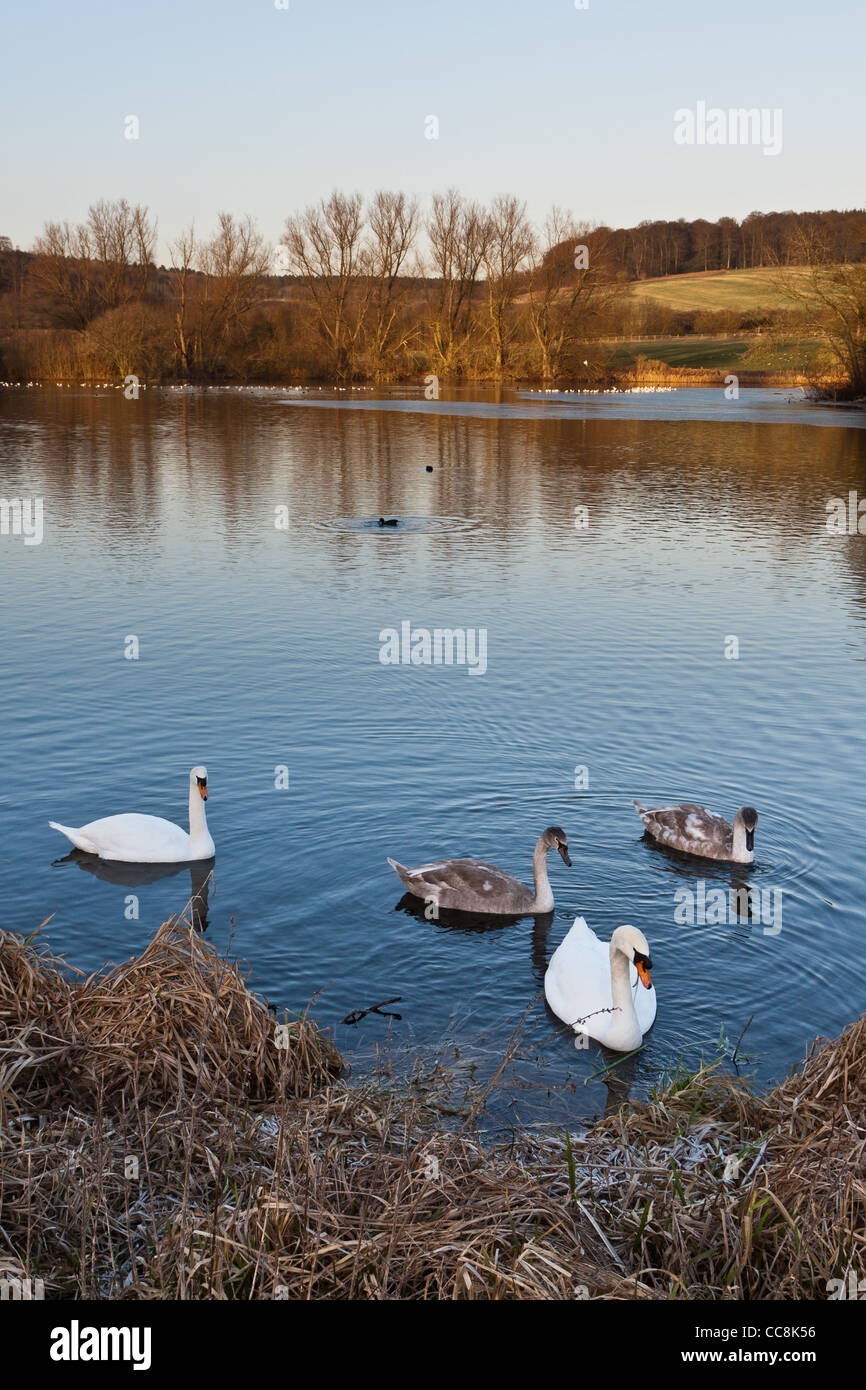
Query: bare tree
[
  {"x": 327, "y": 251},
  {"x": 393, "y": 220},
  {"x": 183, "y": 252},
  {"x": 832, "y": 298},
  {"x": 567, "y": 284},
  {"x": 98, "y": 264},
  {"x": 727, "y": 234},
  {"x": 63, "y": 269},
  {"x": 122, "y": 239},
  {"x": 459, "y": 233},
  {"x": 511, "y": 242},
  {"x": 234, "y": 263}
]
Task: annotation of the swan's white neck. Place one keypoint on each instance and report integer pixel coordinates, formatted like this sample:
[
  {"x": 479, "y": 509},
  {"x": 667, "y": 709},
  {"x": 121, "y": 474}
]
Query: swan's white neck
[
  {"x": 623, "y": 998},
  {"x": 739, "y": 853},
  {"x": 198, "y": 832},
  {"x": 543, "y": 890}
]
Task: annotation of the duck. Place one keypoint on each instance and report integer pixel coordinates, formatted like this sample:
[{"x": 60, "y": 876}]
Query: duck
[
  {"x": 392, "y": 521},
  {"x": 695, "y": 830},
  {"x": 471, "y": 885},
  {"x": 592, "y": 985},
  {"x": 135, "y": 839}
]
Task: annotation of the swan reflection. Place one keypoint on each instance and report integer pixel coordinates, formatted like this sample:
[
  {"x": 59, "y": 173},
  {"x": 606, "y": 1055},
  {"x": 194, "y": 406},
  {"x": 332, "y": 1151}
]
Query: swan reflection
[
  {"x": 471, "y": 923},
  {"x": 123, "y": 875}
]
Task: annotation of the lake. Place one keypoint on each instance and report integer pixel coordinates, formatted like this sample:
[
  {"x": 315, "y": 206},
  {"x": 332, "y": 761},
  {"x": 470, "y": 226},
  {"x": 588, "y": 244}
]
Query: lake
[{"x": 234, "y": 534}]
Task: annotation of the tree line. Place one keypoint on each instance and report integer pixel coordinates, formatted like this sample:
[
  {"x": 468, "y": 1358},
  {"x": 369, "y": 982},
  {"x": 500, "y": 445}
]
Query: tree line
[
  {"x": 759, "y": 240},
  {"x": 369, "y": 289}
]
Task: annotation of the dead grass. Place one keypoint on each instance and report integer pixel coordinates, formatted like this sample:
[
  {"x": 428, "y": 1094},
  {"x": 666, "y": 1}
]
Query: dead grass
[
  {"x": 156, "y": 1142},
  {"x": 175, "y": 1021},
  {"x": 648, "y": 371}
]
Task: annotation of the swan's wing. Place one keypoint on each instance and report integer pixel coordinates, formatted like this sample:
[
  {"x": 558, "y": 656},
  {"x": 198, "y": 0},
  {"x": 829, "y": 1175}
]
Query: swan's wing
[
  {"x": 417, "y": 880},
  {"x": 137, "y": 839},
  {"x": 693, "y": 829},
  {"x": 421, "y": 881},
  {"x": 579, "y": 937},
  {"x": 577, "y": 981},
  {"x": 470, "y": 881}
]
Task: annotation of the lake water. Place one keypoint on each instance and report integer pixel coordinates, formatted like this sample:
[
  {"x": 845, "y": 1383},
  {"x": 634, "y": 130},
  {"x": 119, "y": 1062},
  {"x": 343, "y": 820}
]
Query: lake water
[{"x": 606, "y": 649}]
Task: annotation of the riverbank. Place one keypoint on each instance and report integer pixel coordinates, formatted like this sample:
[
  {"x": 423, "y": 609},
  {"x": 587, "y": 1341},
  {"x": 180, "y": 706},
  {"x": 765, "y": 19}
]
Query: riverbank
[
  {"x": 164, "y": 1135},
  {"x": 645, "y": 372}
]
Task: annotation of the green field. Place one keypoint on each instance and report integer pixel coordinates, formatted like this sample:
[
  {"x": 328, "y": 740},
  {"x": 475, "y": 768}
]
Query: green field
[
  {"x": 722, "y": 289},
  {"x": 754, "y": 354}
]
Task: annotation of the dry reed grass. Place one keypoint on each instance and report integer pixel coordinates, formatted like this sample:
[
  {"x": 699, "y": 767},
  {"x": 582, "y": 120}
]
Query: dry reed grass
[
  {"x": 175, "y": 1021},
  {"x": 648, "y": 371},
  {"x": 259, "y": 1173}
]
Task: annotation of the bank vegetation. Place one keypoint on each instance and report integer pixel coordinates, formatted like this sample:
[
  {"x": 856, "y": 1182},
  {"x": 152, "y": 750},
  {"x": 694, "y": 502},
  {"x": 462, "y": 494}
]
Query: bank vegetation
[
  {"x": 389, "y": 288},
  {"x": 163, "y": 1134}
]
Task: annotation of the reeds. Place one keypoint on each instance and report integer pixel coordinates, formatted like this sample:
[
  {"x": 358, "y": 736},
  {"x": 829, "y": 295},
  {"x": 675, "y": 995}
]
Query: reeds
[
  {"x": 648, "y": 371},
  {"x": 174, "y": 1022},
  {"x": 162, "y": 1137}
]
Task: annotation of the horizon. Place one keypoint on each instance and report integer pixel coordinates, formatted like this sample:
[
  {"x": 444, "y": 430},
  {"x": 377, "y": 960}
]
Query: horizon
[{"x": 225, "y": 130}]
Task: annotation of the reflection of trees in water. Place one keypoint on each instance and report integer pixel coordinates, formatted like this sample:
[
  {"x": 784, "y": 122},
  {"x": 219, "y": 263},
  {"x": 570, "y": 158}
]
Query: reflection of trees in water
[
  {"x": 133, "y": 464},
  {"x": 100, "y": 461}
]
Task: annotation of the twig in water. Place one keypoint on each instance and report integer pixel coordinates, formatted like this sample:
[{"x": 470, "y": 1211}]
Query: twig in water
[
  {"x": 592, "y": 1015},
  {"x": 357, "y": 1014}
]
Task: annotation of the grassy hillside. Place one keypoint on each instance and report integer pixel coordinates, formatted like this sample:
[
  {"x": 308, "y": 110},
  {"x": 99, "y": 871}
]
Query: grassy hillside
[
  {"x": 721, "y": 289},
  {"x": 741, "y": 353}
]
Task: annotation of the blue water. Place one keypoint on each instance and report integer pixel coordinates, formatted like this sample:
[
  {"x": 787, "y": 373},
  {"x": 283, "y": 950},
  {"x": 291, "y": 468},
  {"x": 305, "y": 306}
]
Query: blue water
[{"x": 259, "y": 648}]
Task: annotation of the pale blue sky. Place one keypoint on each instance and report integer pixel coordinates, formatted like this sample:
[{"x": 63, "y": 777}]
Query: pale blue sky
[{"x": 249, "y": 108}]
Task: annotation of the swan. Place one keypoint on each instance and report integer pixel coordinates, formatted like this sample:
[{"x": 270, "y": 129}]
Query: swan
[
  {"x": 469, "y": 885},
  {"x": 592, "y": 986},
  {"x": 694, "y": 830},
  {"x": 136, "y": 839}
]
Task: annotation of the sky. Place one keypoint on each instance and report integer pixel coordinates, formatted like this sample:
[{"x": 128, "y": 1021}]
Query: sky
[{"x": 247, "y": 107}]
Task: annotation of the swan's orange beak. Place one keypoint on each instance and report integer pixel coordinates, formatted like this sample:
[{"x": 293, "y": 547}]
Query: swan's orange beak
[
  {"x": 202, "y": 787},
  {"x": 644, "y": 974}
]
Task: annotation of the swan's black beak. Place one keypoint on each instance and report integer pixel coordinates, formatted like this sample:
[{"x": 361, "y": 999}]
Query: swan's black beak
[
  {"x": 566, "y": 857},
  {"x": 202, "y": 788},
  {"x": 750, "y": 839},
  {"x": 643, "y": 965}
]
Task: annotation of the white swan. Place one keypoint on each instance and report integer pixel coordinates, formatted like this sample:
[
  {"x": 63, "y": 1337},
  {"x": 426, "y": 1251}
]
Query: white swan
[
  {"x": 136, "y": 839},
  {"x": 593, "y": 987}
]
